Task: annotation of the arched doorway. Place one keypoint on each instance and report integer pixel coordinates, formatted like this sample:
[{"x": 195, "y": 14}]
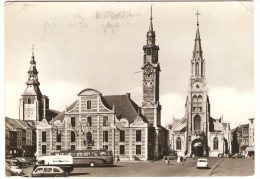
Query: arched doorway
[{"x": 197, "y": 147}]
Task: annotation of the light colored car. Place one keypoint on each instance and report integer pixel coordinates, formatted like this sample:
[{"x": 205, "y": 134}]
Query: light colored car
[
  {"x": 48, "y": 171},
  {"x": 15, "y": 170},
  {"x": 202, "y": 163}
]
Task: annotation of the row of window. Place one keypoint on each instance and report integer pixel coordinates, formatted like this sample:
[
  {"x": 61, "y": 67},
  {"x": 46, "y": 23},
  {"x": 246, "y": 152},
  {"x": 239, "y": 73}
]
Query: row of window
[
  {"x": 89, "y": 136},
  {"x": 89, "y": 121}
]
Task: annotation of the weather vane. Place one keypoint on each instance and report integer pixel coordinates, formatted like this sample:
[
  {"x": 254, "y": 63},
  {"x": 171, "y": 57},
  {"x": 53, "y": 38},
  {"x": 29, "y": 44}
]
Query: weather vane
[{"x": 197, "y": 14}]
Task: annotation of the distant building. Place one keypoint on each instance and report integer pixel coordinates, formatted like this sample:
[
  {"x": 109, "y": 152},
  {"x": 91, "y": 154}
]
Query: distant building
[
  {"x": 198, "y": 133},
  {"x": 20, "y": 138},
  {"x": 243, "y": 139}
]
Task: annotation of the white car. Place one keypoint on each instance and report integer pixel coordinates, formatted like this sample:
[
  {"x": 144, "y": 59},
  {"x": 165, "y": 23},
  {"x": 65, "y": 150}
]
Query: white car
[
  {"x": 202, "y": 163},
  {"x": 15, "y": 170}
]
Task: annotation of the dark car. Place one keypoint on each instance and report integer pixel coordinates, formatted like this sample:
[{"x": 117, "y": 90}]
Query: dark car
[
  {"x": 25, "y": 160},
  {"x": 238, "y": 155},
  {"x": 14, "y": 162},
  {"x": 48, "y": 171}
]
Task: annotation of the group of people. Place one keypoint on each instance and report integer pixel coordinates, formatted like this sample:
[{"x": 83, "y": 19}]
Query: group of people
[{"x": 180, "y": 159}]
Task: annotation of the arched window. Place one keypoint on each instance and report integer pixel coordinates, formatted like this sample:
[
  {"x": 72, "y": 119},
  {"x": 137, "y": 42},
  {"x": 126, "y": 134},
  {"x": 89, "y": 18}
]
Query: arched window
[
  {"x": 89, "y": 137},
  {"x": 178, "y": 143},
  {"x": 197, "y": 121},
  {"x": 194, "y": 99},
  {"x": 29, "y": 100},
  {"x": 197, "y": 69},
  {"x": 215, "y": 143},
  {"x": 200, "y": 99}
]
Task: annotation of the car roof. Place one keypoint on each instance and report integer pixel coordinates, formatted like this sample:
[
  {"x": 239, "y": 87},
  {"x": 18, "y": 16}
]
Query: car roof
[
  {"x": 202, "y": 159},
  {"x": 48, "y": 167}
]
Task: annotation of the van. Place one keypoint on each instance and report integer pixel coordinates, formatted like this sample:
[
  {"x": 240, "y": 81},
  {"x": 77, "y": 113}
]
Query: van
[{"x": 65, "y": 162}]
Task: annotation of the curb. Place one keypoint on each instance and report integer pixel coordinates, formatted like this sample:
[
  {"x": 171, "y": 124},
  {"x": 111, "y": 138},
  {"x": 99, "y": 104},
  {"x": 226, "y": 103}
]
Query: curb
[{"x": 213, "y": 169}]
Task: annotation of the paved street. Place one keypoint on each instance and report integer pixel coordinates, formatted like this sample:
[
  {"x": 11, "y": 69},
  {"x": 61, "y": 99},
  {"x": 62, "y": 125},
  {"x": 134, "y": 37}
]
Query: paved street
[{"x": 218, "y": 167}]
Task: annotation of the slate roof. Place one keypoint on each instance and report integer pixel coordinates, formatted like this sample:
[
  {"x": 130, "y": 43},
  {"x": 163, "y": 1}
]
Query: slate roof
[
  {"x": 180, "y": 125},
  {"x": 61, "y": 115},
  {"x": 31, "y": 90},
  {"x": 16, "y": 123},
  {"x": 125, "y": 107}
]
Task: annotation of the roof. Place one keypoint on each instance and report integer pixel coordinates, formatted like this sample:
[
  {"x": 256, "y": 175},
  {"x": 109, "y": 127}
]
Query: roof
[
  {"x": 217, "y": 125},
  {"x": 180, "y": 125},
  {"x": 16, "y": 123},
  {"x": 61, "y": 115},
  {"x": 124, "y": 107},
  {"x": 31, "y": 90}
]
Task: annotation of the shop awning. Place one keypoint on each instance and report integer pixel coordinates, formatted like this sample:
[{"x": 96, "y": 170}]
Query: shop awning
[{"x": 250, "y": 148}]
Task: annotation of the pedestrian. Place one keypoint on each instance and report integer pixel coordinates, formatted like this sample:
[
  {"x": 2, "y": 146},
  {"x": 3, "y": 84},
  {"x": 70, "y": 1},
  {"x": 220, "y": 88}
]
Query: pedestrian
[
  {"x": 118, "y": 159},
  {"x": 178, "y": 160},
  {"x": 181, "y": 159},
  {"x": 193, "y": 156}
]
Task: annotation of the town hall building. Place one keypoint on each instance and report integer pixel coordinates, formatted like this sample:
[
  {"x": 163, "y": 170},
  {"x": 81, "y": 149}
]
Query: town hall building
[{"x": 113, "y": 122}]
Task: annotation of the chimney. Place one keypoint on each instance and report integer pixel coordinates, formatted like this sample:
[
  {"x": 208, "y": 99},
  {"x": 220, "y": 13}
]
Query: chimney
[{"x": 128, "y": 95}]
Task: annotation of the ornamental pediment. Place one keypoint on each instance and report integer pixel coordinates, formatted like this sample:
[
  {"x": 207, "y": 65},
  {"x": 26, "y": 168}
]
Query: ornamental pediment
[
  {"x": 44, "y": 125},
  {"x": 122, "y": 123},
  {"x": 89, "y": 92},
  {"x": 139, "y": 122}
]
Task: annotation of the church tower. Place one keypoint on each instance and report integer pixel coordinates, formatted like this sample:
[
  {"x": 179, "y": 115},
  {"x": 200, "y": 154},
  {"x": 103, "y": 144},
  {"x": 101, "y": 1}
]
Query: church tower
[
  {"x": 31, "y": 103},
  {"x": 151, "y": 107},
  {"x": 197, "y": 105}
]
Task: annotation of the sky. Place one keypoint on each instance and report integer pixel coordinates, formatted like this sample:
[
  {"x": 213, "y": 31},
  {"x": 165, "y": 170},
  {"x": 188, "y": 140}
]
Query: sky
[{"x": 76, "y": 47}]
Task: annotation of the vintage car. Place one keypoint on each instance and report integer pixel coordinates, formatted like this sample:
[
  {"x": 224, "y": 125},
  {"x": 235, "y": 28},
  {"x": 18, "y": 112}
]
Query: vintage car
[
  {"x": 238, "y": 155},
  {"x": 202, "y": 163},
  {"x": 13, "y": 170},
  {"x": 48, "y": 171}
]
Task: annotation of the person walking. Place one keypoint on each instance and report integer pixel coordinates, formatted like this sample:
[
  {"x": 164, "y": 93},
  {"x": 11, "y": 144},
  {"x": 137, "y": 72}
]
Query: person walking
[{"x": 181, "y": 159}]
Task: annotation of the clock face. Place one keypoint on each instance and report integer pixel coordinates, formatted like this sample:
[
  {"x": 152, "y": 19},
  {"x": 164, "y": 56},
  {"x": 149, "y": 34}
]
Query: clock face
[
  {"x": 148, "y": 70},
  {"x": 197, "y": 86}
]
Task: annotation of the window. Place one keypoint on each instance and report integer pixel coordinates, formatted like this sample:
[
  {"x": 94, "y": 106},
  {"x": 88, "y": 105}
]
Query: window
[
  {"x": 89, "y": 121},
  {"x": 43, "y": 136},
  {"x": 56, "y": 170},
  {"x": 105, "y": 146},
  {"x": 73, "y": 122},
  {"x": 138, "y": 150},
  {"x": 43, "y": 149},
  {"x": 58, "y": 135},
  {"x": 122, "y": 136},
  {"x": 73, "y": 137},
  {"x": 200, "y": 99},
  {"x": 105, "y": 136},
  {"x": 72, "y": 147},
  {"x": 194, "y": 99},
  {"x": 122, "y": 150},
  {"x": 58, "y": 147},
  {"x": 29, "y": 100},
  {"x": 89, "y": 104},
  {"x": 105, "y": 121},
  {"x": 178, "y": 143},
  {"x": 197, "y": 120},
  {"x": 138, "y": 136},
  {"x": 194, "y": 108},
  {"x": 215, "y": 144},
  {"x": 89, "y": 138}
]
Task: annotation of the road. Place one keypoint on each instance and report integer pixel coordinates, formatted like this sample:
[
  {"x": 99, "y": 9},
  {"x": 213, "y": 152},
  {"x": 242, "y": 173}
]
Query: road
[{"x": 218, "y": 167}]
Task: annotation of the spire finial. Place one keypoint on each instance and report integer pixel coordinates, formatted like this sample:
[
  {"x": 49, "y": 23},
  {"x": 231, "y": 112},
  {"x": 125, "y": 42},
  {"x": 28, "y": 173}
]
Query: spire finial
[
  {"x": 197, "y": 14},
  {"x": 151, "y": 20},
  {"x": 33, "y": 50}
]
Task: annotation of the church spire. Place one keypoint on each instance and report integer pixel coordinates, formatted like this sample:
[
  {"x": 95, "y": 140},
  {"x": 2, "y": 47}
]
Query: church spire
[
  {"x": 197, "y": 52},
  {"x": 32, "y": 72},
  {"x": 151, "y": 34}
]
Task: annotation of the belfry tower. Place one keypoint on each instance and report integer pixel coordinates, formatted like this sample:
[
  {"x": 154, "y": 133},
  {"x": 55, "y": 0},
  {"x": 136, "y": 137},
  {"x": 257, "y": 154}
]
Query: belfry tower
[
  {"x": 151, "y": 71},
  {"x": 197, "y": 104},
  {"x": 31, "y": 104}
]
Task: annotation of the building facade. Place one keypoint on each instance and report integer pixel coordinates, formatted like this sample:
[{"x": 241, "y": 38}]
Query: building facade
[
  {"x": 114, "y": 122},
  {"x": 198, "y": 133}
]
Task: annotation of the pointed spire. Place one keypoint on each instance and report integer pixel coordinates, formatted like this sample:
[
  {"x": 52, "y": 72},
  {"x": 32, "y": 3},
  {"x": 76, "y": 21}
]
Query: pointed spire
[
  {"x": 151, "y": 20},
  {"x": 197, "y": 52},
  {"x": 32, "y": 72},
  {"x": 32, "y": 60}
]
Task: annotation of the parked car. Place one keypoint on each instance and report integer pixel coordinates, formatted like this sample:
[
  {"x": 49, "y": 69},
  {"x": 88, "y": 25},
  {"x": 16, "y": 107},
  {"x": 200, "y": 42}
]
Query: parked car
[
  {"x": 13, "y": 162},
  {"x": 202, "y": 163},
  {"x": 24, "y": 160},
  {"x": 48, "y": 171},
  {"x": 13, "y": 170},
  {"x": 238, "y": 155}
]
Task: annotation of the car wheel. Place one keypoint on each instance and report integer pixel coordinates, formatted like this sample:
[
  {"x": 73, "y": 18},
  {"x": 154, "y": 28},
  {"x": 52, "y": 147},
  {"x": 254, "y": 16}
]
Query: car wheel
[{"x": 92, "y": 164}]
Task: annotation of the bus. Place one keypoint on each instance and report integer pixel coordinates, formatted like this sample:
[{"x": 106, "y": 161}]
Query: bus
[{"x": 82, "y": 158}]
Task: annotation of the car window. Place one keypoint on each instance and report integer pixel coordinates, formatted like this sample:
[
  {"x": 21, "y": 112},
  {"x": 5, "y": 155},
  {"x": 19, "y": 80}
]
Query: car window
[
  {"x": 202, "y": 161},
  {"x": 47, "y": 170},
  {"x": 56, "y": 170}
]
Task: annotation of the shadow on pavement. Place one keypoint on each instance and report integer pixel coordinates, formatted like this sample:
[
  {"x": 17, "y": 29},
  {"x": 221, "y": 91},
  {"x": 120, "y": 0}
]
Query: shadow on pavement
[{"x": 75, "y": 174}]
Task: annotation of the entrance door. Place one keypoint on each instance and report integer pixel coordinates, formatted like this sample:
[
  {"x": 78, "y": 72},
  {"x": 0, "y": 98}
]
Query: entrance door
[{"x": 197, "y": 148}]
